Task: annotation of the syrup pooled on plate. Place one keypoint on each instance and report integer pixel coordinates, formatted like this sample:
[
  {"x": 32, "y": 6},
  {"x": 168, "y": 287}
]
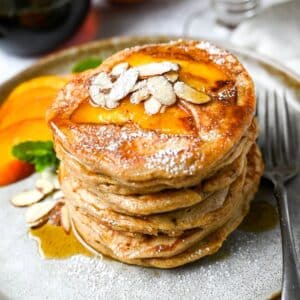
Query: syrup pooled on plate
[
  {"x": 262, "y": 217},
  {"x": 55, "y": 243}
]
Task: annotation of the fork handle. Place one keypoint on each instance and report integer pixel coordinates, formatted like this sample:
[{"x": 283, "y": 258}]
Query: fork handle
[{"x": 291, "y": 276}]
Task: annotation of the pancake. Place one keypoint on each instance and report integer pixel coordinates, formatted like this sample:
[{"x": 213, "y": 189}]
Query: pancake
[
  {"x": 210, "y": 211},
  {"x": 158, "y": 153},
  {"x": 99, "y": 183},
  {"x": 160, "y": 202},
  {"x": 209, "y": 245},
  {"x": 134, "y": 245},
  {"x": 131, "y": 146},
  {"x": 204, "y": 220},
  {"x": 172, "y": 223}
]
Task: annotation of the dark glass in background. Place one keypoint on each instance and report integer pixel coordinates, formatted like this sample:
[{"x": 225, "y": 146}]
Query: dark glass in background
[{"x": 30, "y": 27}]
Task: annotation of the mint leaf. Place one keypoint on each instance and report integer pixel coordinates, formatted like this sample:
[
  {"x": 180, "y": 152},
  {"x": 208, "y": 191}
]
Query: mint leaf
[
  {"x": 40, "y": 154},
  {"x": 87, "y": 63}
]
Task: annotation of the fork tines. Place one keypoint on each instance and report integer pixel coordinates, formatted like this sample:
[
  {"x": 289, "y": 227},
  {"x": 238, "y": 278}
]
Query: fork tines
[{"x": 279, "y": 137}]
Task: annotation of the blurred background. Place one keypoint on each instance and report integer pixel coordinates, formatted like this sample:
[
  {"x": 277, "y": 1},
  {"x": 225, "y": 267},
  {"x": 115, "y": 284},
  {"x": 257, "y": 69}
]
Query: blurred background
[{"x": 30, "y": 29}]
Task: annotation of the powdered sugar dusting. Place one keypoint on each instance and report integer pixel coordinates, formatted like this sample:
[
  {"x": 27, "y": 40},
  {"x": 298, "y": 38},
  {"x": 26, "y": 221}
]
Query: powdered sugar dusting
[
  {"x": 124, "y": 137},
  {"x": 218, "y": 55},
  {"x": 210, "y": 136},
  {"x": 210, "y": 48},
  {"x": 168, "y": 161},
  {"x": 162, "y": 152},
  {"x": 227, "y": 93},
  {"x": 220, "y": 61}
]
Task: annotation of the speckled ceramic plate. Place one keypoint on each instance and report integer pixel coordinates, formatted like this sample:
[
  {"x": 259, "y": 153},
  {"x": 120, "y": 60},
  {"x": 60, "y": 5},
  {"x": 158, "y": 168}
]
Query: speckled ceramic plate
[{"x": 247, "y": 267}]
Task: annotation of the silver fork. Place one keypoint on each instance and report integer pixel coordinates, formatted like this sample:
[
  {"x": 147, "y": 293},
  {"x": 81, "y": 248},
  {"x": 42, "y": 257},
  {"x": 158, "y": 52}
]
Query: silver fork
[{"x": 279, "y": 141}]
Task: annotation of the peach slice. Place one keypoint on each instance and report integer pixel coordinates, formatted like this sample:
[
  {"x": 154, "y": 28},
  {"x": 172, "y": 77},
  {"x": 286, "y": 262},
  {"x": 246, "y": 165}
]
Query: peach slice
[
  {"x": 30, "y": 100},
  {"x": 26, "y": 130},
  {"x": 175, "y": 120}
]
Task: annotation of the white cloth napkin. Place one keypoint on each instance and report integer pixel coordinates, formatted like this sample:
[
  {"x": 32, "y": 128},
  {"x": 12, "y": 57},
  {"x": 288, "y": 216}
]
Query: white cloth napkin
[{"x": 275, "y": 32}]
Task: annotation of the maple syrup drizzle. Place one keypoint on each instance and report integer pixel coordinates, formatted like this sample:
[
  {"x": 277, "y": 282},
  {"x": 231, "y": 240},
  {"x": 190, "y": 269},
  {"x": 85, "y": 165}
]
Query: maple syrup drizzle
[
  {"x": 55, "y": 243},
  {"x": 262, "y": 217}
]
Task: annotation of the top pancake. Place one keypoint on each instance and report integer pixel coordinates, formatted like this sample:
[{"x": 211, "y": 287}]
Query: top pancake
[{"x": 186, "y": 140}]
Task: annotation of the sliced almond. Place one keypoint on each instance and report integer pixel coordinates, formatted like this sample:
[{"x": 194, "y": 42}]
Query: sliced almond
[
  {"x": 152, "y": 106},
  {"x": 190, "y": 94},
  {"x": 39, "y": 211},
  {"x": 58, "y": 195},
  {"x": 97, "y": 97},
  {"x": 119, "y": 69},
  {"x": 163, "y": 109},
  {"x": 56, "y": 183},
  {"x": 45, "y": 186},
  {"x": 54, "y": 216},
  {"x": 27, "y": 198},
  {"x": 102, "y": 81},
  {"x": 123, "y": 85},
  {"x": 161, "y": 89},
  {"x": 159, "y": 68},
  {"x": 139, "y": 96},
  {"x": 48, "y": 174},
  {"x": 65, "y": 219},
  {"x": 139, "y": 85},
  {"x": 51, "y": 176},
  {"x": 172, "y": 76},
  {"x": 111, "y": 103},
  {"x": 37, "y": 223}
]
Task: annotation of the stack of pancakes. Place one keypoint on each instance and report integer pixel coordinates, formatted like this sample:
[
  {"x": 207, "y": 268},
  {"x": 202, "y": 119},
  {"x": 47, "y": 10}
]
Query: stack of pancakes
[{"x": 160, "y": 190}]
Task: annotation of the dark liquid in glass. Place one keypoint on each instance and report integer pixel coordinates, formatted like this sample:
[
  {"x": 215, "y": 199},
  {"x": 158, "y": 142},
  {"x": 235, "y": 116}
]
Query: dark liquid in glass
[{"x": 30, "y": 27}]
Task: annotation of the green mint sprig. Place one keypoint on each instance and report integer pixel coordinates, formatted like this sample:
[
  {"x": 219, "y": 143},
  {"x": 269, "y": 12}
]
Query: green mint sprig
[
  {"x": 86, "y": 64},
  {"x": 39, "y": 153}
]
